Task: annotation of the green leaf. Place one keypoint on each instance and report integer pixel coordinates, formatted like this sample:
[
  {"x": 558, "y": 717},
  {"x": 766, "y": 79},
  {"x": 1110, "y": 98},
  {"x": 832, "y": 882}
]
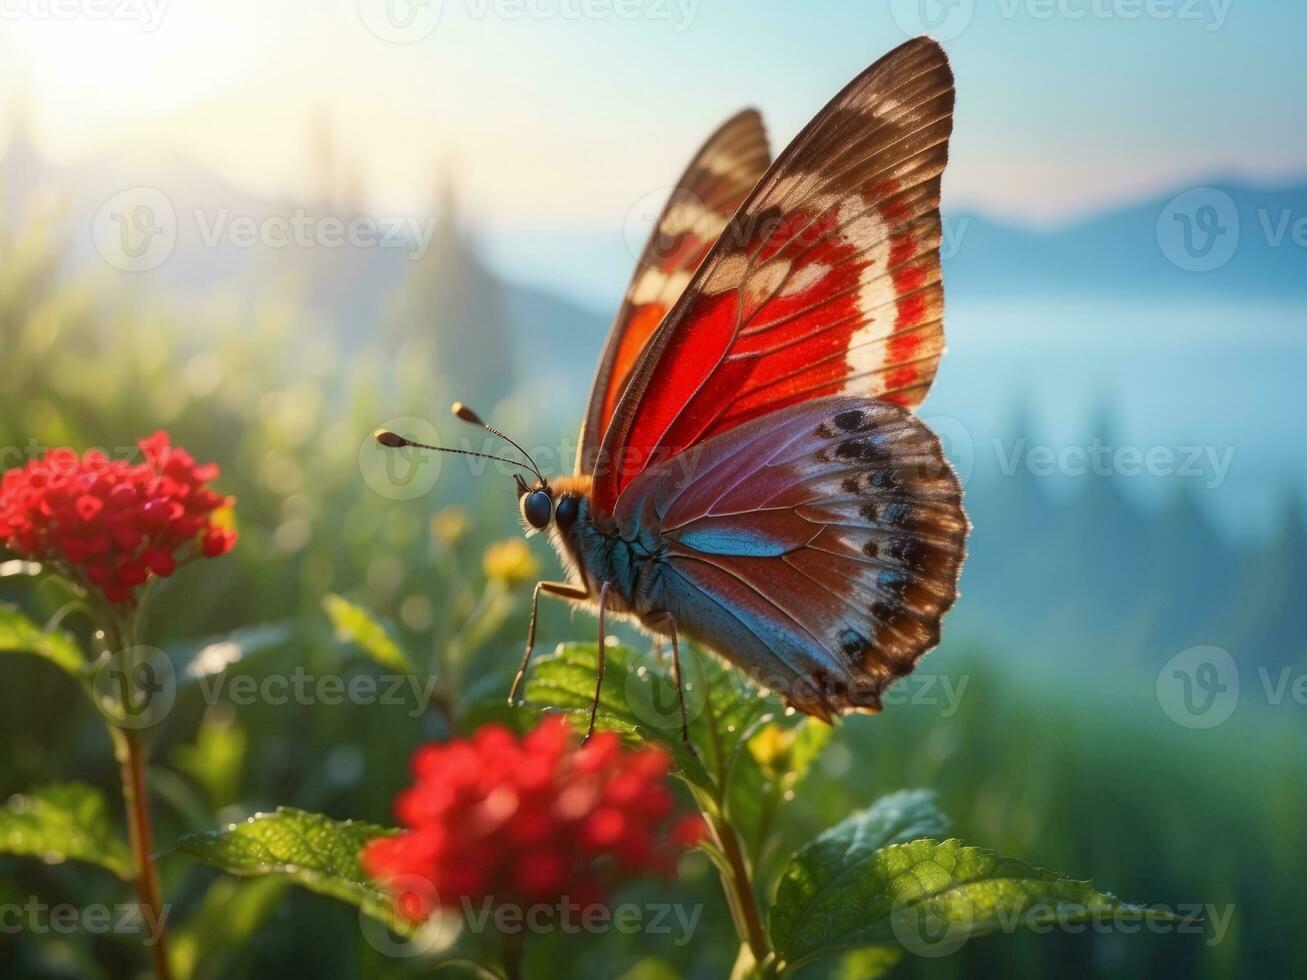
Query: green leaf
[
  {"x": 311, "y": 850},
  {"x": 213, "y": 936},
  {"x": 566, "y": 679},
  {"x": 354, "y": 624},
  {"x": 18, "y": 634},
  {"x": 859, "y": 884},
  {"x": 205, "y": 658},
  {"x": 62, "y": 822},
  {"x": 831, "y": 867},
  {"x": 869, "y": 963},
  {"x": 765, "y": 776},
  {"x": 217, "y": 758}
]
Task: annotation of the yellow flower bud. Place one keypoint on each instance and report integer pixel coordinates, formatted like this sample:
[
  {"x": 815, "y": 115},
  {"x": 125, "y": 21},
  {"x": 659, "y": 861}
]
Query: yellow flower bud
[
  {"x": 510, "y": 562},
  {"x": 450, "y": 525}
]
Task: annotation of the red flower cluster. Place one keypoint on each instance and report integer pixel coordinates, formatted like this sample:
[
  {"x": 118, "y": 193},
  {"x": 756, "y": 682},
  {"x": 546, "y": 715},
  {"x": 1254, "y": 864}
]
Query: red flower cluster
[
  {"x": 529, "y": 820},
  {"x": 111, "y": 523}
]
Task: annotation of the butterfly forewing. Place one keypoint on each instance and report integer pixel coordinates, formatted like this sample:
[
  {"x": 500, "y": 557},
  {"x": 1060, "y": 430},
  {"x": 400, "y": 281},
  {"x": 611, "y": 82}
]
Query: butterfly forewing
[
  {"x": 826, "y": 280},
  {"x": 717, "y": 180}
]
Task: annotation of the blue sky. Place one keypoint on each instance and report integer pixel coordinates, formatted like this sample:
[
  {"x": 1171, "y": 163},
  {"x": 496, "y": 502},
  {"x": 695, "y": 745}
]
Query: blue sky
[{"x": 563, "y": 113}]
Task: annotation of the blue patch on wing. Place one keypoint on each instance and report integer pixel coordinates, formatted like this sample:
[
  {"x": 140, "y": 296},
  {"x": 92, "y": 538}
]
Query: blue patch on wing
[{"x": 744, "y": 542}]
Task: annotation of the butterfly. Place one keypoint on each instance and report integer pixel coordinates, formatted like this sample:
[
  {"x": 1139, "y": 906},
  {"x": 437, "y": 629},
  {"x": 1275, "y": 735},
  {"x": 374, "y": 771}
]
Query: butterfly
[{"x": 750, "y": 473}]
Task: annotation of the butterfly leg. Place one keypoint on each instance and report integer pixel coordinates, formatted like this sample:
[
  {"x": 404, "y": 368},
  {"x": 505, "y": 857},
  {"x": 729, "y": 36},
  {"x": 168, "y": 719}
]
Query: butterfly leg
[
  {"x": 676, "y": 676},
  {"x": 599, "y": 680},
  {"x": 561, "y": 590}
]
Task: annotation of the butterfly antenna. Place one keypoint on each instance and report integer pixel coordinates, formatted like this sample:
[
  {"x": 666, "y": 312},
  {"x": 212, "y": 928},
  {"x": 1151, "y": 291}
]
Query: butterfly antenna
[
  {"x": 471, "y": 417},
  {"x": 392, "y": 440}
]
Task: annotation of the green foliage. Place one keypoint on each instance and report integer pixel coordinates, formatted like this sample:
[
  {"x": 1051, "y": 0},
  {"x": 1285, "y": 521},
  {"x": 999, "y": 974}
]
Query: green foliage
[
  {"x": 638, "y": 700},
  {"x": 869, "y": 963},
  {"x": 309, "y": 849},
  {"x": 354, "y": 624},
  {"x": 284, "y": 407},
  {"x": 18, "y": 634},
  {"x": 201, "y": 659},
  {"x": 768, "y": 774},
  {"x": 63, "y": 822},
  {"x": 227, "y": 918},
  {"x": 827, "y": 878},
  {"x": 844, "y": 891},
  {"x": 565, "y": 680},
  {"x": 217, "y": 758}
]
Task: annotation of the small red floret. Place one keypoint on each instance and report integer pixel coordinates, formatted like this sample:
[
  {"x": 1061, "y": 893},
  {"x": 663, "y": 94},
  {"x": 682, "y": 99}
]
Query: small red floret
[
  {"x": 528, "y": 820},
  {"x": 113, "y": 523}
]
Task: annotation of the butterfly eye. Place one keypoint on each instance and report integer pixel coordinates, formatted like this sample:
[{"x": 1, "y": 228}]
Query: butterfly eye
[
  {"x": 537, "y": 508},
  {"x": 566, "y": 513}
]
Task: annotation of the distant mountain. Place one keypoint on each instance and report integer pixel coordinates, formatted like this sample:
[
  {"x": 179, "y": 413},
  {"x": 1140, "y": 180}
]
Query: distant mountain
[
  {"x": 1223, "y": 240},
  {"x": 1098, "y": 580}
]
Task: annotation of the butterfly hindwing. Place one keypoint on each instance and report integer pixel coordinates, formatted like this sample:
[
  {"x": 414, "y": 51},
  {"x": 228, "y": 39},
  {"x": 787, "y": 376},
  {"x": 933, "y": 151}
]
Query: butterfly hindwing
[
  {"x": 817, "y": 548},
  {"x": 826, "y": 281},
  {"x": 717, "y": 180}
]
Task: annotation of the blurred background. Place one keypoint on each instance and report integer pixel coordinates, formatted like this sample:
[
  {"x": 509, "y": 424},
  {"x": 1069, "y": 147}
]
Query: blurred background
[{"x": 271, "y": 228}]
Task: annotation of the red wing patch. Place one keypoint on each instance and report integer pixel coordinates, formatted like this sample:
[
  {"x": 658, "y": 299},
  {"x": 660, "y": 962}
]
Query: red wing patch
[
  {"x": 826, "y": 281},
  {"x": 719, "y": 177}
]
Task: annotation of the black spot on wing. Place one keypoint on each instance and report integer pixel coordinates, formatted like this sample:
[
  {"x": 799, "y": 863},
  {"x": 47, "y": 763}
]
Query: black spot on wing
[
  {"x": 853, "y": 644},
  {"x": 854, "y": 420}
]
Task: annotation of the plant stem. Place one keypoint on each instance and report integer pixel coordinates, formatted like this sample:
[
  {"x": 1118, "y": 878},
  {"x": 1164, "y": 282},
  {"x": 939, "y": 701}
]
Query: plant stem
[
  {"x": 511, "y": 945},
  {"x": 740, "y": 894},
  {"x": 120, "y": 634},
  {"x": 131, "y": 760}
]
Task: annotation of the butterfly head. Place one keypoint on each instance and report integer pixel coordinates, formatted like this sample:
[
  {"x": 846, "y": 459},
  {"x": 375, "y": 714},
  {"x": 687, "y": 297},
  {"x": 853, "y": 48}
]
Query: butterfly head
[
  {"x": 537, "y": 501},
  {"x": 542, "y": 505}
]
